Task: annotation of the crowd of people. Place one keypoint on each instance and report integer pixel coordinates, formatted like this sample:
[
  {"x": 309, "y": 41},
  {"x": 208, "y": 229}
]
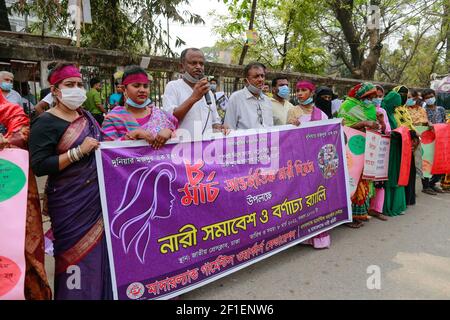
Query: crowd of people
[{"x": 72, "y": 123}]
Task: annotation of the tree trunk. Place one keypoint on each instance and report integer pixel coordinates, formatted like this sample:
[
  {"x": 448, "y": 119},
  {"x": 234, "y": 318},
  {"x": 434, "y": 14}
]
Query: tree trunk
[
  {"x": 360, "y": 67},
  {"x": 4, "y": 21},
  {"x": 447, "y": 18},
  {"x": 245, "y": 48}
]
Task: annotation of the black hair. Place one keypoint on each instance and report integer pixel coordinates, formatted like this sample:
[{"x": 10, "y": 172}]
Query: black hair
[
  {"x": 414, "y": 93},
  {"x": 253, "y": 65},
  {"x": 133, "y": 69},
  {"x": 214, "y": 79},
  {"x": 380, "y": 88},
  {"x": 94, "y": 81},
  {"x": 427, "y": 92},
  {"x": 185, "y": 52},
  {"x": 275, "y": 81}
]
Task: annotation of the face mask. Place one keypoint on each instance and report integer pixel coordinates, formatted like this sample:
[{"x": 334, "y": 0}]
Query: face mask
[
  {"x": 133, "y": 104},
  {"x": 307, "y": 101},
  {"x": 254, "y": 89},
  {"x": 284, "y": 92},
  {"x": 430, "y": 101},
  {"x": 6, "y": 86},
  {"x": 189, "y": 78},
  {"x": 73, "y": 98},
  {"x": 213, "y": 87},
  {"x": 368, "y": 101},
  {"x": 377, "y": 101},
  {"x": 410, "y": 102}
]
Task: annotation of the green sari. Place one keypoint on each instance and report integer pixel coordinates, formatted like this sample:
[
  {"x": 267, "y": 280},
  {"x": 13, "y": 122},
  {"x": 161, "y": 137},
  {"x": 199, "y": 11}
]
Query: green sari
[
  {"x": 354, "y": 111},
  {"x": 395, "y": 198}
]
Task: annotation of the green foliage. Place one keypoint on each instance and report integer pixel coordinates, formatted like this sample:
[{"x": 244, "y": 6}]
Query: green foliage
[
  {"x": 287, "y": 38},
  {"x": 133, "y": 25}
]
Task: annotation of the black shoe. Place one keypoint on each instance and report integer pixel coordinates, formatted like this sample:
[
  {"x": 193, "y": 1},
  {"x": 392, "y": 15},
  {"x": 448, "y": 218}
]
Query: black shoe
[{"x": 429, "y": 191}]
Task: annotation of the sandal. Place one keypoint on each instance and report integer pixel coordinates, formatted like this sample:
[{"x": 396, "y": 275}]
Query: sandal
[
  {"x": 355, "y": 224},
  {"x": 377, "y": 215}
]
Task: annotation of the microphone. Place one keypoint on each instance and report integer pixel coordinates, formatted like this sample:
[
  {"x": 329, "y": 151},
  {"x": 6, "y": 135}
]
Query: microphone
[
  {"x": 208, "y": 99},
  {"x": 207, "y": 96}
]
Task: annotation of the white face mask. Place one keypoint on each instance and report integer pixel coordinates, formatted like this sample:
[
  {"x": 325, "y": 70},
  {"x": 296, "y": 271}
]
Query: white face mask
[{"x": 73, "y": 98}]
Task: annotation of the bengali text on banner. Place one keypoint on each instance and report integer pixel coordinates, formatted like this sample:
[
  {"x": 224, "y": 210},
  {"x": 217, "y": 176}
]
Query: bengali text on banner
[{"x": 190, "y": 213}]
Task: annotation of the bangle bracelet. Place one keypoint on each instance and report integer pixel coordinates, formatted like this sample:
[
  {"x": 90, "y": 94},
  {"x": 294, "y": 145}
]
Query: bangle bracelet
[
  {"x": 69, "y": 156},
  {"x": 75, "y": 155},
  {"x": 80, "y": 152}
]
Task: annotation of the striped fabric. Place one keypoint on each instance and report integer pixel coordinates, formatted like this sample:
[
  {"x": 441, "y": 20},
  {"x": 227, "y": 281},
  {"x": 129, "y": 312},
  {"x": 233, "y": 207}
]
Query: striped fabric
[{"x": 119, "y": 122}]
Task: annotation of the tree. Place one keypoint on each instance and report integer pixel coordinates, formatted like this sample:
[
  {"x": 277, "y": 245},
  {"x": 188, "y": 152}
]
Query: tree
[
  {"x": 287, "y": 37},
  {"x": 363, "y": 27},
  {"x": 4, "y": 21},
  {"x": 420, "y": 51},
  {"x": 114, "y": 24}
]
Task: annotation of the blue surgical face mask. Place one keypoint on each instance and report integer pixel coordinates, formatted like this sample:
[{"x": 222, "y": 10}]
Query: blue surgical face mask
[
  {"x": 378, "y": 101},
  {"x": 213, "y": 87},
  {"x": 431, "y": 101},
  {"x": 6, "y": 86},
  {"x": 307, "y": 101},
  {"x": 410, "y": 102},
  {"x": 368, "y": 101},
  {"x": 284, "y": 92},
  {"x": 133, "y": 104}
]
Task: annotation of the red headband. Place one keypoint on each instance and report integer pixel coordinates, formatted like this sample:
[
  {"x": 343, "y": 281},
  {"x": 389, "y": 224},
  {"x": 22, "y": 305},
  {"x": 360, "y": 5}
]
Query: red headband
[
  {"x": 306, "y": 85},
  {"x": 135, "y": 78},
  {"x": 64, "y": 73}
]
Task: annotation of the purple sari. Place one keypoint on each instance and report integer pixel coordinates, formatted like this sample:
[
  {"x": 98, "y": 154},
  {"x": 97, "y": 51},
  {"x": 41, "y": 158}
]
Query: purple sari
[{"x": 73, "y": 200}]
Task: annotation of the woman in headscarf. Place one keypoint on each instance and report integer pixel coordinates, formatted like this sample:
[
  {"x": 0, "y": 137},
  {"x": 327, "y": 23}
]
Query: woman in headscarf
[
  {"x": 395, "y": 196},
  {"x": 359, "y": 112},
  {"x": 323, "y": 100},
  {"x": 306, "y": 112},
  {"x": 62, "y": 143},
  {"x": 403, "y": 118},
  {"x": 138, "y": 118},
  {"x": 377, "y": 202},
  {"x": 17, "y": 126}
]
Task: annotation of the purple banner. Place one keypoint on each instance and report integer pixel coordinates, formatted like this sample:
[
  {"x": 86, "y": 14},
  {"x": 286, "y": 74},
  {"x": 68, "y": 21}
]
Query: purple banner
[{"x": 185, "y": 215}]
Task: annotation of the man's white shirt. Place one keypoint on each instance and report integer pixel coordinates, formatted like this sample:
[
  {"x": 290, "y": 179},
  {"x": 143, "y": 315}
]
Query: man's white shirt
[{"x": 200, "y": 116}]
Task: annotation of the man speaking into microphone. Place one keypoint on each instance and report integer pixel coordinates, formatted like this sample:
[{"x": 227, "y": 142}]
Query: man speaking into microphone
[{"x": 190, "y": 100}]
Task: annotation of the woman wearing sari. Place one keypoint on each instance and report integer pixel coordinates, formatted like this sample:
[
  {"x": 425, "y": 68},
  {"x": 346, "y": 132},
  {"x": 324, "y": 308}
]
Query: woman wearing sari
[
  {"x": 62, "y": 142},
  {"x": 306, "y": 111},
  {"x": 403, "y": 117},
  {"x": 377, "y": 202},
  {"x": 359, "y": 112},
  {"x": 17, "y": 125},
  {"x": 139, "y": 118},
  {"x": 395, "y": 196}
]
